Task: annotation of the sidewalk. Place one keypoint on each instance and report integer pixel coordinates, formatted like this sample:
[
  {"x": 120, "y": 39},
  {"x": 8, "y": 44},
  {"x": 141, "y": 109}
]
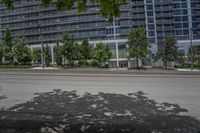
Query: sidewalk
[
  {"x": 100, "y": 73},
  {"x": 46, "y": 68},
  {"x": 187, "y": 70}
]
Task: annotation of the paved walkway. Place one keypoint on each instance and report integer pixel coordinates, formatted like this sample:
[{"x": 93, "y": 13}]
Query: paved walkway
[
  {"x": 188, "y": 70},
  {"x": 100, "y": 72}
]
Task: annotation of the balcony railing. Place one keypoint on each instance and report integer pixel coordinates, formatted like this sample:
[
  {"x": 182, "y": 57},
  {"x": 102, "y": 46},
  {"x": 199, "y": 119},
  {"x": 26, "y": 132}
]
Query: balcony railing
[
  {"x": 164, "y": 2},
  {"x": 168, "y": 8},
  {"x": 164, "y": 15},
  {"x": 169, "y": 21}
]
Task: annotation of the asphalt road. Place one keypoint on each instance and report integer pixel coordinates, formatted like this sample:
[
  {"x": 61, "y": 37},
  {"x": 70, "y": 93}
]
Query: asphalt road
[{"x": 181, "y": 89}]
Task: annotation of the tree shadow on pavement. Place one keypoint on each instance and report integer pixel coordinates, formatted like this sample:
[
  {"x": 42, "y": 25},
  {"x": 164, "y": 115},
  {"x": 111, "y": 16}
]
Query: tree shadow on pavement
[
  {"x": 2, "y": 96},
  {"x": 66, "y": 111}
]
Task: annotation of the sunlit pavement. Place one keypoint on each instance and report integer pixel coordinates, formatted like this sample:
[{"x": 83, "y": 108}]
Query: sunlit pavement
[
  {"x": 51, "y": 71},
  {"x": 180, "y": 88},
  {"x": 188, "y": 70},
  {"x": 46, "y": 68}
]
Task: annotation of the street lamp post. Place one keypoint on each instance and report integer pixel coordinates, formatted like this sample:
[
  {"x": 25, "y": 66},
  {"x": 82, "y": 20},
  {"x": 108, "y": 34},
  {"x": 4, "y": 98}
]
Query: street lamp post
[
  {"x": 117, "y": 51},
  {"x": 42, "y": 50},
  {"x": 191, "y": 49}
]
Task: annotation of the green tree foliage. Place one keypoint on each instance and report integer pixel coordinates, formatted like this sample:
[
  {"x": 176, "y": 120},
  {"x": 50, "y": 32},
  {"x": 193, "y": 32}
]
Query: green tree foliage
[
  {"x": 7, "y": 46},
  {"x": 71, "y": 50},
  {"x": 192, "y": 56},
  {"x": 85, "y": 51},
  {"x": 101, "y": 53},
  {"x": 108, "y": 8},
  {"x": 198, "y": 61},
  {"x": 58, "y": 54},
  {"x": 47, "y": 55},
  {"x": 8, "y": 38},
  {"x": 169, "y": 51},
  {"x": 36, "y": 55},
  {"x": 77, "y": 53},
  {"x": 195, "y": 55},
  {"x": 181, "y": 59},
  {"x": 138, "y": 44},
  {"x": 1, "y": 52},
  {"x": 20, "y": 50}
]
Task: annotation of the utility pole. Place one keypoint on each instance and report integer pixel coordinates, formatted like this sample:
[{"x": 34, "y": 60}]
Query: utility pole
[{"x": 191, "y": 49}]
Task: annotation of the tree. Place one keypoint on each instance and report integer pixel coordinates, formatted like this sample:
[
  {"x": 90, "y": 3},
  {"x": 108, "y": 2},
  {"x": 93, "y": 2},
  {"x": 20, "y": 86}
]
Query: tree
[
  {"x": 197, "y": 57},
  {"x": 101, "y": 53},
  {"x": 20, "y": 50},
  {"x": 7, "y": 46},
  {"x": 198, "y": 61},
  {"x": 169, "y": 51},
  {"x": 58, "y": 54},
  {"x": 77, "y": 53},
  {"x": 181, "y": 59},
  {"x": 47, "y": 55},
  {"x": 36, "y": 55},
  {"x": 138, "y": 44},
  {"x": 8, "y": 38},
  {"x": 194, "y": 55},
  {"x": 85, "y": 51},
  {"x": 69, "y": 48},
  {"x": 108, "y": 8}
]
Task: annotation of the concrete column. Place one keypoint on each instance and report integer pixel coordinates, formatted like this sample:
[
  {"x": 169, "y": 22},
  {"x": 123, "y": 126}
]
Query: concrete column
[
  {"x": 52, "y": 54},
  {"x": 189, "y": 15},
  {"x": 117, "y": 54}
]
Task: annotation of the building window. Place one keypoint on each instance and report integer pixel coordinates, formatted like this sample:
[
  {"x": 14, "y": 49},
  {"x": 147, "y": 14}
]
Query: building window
[
  {"x": 178, "y": 32},
  {"x": 184, "y": 5},
  {"x": 112, "y": 47},
  {"x": 149, "y": 13},
  {"x": 122, "y": 50},
  {"x": 151, "y": 27},
  {"x": 149, "y": 7},
  {"x": 151, "y": 33},
  {"x": 177, "y": 25},
  {"x": 185, "y": 25},
  {"x": 184, "y": 11},
  {"x": 176, "y": 5},
  {"x": 149, "y": 1},
  {"x": 186, "y": 32},
  {"x": 177, "y": 18},
  {"x": 185, "y": 18}
]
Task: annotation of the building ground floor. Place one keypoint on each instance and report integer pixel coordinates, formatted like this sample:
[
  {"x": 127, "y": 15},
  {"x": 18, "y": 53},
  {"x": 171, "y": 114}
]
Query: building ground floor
[
  {"x": 119, "y": 52},
  {"x": 185, "y": 45}
]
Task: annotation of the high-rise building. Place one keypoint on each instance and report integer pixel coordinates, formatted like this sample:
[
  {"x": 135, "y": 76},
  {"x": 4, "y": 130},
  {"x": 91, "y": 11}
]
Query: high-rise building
[{"x": 161, "y": 18}]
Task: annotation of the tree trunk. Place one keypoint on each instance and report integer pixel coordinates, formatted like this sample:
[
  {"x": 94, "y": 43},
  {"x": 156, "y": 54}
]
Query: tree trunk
[
  {"x": 137, "y": 63},
  {"x": 85, "y": 62},
  {"x": 166, "y": 64},
  {"x": 73, "y": 64},
  {"x": 99, "y": 63}
]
